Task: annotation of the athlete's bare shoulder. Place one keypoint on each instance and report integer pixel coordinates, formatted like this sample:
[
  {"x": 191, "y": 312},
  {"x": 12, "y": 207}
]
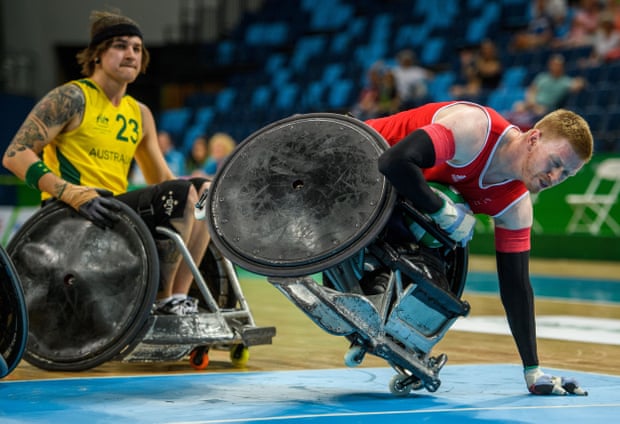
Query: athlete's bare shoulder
[{"x": 469, "y": 124}]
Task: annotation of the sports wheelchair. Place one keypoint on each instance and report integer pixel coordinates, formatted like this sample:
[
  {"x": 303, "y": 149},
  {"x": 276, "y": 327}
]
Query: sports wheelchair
[
  {"x": 301, "y": 201},
  {"x": 89, "y": 294},
  {"x": 13, "y": 317}
]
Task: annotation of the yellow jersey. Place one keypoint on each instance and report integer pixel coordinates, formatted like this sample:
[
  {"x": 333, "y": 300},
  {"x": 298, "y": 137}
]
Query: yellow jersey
[{"x": 99, "y": 152}]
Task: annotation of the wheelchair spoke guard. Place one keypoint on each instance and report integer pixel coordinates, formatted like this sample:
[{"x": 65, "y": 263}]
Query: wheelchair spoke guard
[
  {"x": 88, "y": 291},
  {"x": 13, "y": 316},
  {"x": 300, "y": 195}
]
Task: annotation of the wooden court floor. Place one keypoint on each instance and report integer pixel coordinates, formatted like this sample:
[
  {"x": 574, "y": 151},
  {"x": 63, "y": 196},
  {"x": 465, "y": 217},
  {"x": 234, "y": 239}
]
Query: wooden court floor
[{"x": 300, "y": 344}]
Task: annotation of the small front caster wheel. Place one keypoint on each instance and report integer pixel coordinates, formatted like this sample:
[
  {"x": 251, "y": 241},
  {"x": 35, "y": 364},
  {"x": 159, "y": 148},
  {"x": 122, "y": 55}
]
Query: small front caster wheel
[
  {"x": 199, "y": 358},
  {"x": 239, "y": 356},
  {"x": 399, "y": 385},
  {"x": 354, "y": 356}
]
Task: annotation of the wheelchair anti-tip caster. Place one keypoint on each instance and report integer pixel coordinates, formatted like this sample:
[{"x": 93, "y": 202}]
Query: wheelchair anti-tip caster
[
  {"x": 354, "y": 356},
  {"x": 402, "y": 385},
  {"x": 239, "y": 355},
  {"x": 199, "y": 358}
]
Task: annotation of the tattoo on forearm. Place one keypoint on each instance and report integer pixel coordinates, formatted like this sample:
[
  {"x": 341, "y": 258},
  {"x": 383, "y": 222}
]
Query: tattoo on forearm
[
  {"x": 57, "y": 108},
  {"x": 29, "y": 136}
]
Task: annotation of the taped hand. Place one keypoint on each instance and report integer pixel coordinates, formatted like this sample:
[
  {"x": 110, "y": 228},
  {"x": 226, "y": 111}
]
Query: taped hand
[
  {"x": 456, "y": 219},
  {"x": 88, "y": 202},
  {"x": 539, "y": 383}
]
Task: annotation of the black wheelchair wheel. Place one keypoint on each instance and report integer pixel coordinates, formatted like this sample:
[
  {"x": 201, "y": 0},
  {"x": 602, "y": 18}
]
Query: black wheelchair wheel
[
  {"x": 300, "y": 195},
  {"x": 215, "y": 275},
  {"x": 13, "y": 316},
  {"x": 88, "y": 291},
  {"x": 457, "y": 263}
]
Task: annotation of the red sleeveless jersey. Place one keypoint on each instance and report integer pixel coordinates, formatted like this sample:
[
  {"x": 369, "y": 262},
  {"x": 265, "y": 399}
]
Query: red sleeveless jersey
[{"x": 489, "y": 199}]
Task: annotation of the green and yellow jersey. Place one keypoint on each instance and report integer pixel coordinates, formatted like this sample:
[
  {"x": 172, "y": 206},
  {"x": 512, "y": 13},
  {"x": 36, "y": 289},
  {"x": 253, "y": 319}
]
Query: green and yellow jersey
[{"x": 99, "y": 152}]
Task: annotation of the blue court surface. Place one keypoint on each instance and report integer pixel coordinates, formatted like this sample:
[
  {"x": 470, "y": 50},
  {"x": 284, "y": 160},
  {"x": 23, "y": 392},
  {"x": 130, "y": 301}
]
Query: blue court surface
[{"x": 469, "y": 393}]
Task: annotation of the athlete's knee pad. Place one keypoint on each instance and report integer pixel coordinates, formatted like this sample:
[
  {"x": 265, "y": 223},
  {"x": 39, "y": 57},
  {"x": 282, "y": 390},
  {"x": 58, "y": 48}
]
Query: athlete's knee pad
[{"x": 158, "y": 204}]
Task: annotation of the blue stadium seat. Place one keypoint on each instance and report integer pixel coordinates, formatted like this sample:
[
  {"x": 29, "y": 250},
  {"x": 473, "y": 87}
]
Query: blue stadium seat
[
  {"x": 514, "y": 77},
  {"x": 313, "y": 97},
  {"x": 439, "y": 87},
  {"x": 189, "y": 136},
  {"x": 226, "y": 52},
  {"x": 275, "y": 62},
  {"x": 261, "y": 97},
  {"x": 307, "y": 47},
  {"x": 340, "y": 43},
  {"x": 340, "y": 94},
  {"x": 332, "y": 72},
  {"x": 266, "y": 34},
  {"x": 502, "y": 99},
  {"x": 432, "y": 51},
  {"x": 225, "y": 99},
  {"x": 286, "y": 96},
  {"x": 204, "y": 116},
  {"x": 174, "y": 121},
  {"x": 412, "y": 35},
  {"x": 476, "y": 31}
]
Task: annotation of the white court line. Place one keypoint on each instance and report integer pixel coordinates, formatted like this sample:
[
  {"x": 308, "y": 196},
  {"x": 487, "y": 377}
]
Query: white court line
[
  {"x": 558, "y": 327},
  {"x": 404, "y": 412}
]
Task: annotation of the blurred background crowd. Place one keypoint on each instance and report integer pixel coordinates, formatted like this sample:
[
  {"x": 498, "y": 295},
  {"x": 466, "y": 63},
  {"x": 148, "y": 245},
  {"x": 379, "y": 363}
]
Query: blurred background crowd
[{"x": 372, "y": 58}]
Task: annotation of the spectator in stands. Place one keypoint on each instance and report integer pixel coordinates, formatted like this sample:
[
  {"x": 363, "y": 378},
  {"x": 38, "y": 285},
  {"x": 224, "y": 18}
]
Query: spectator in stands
[
  {"x": 388, "y": 101},
  {"x": 174, "y": 158},
  {"x": 197, "y": 156},
  {"x": 547, "y": 92},
  {"x": 220, "y": 146},
  {"x": 606, "y": 42},
  {"x": 540, "y": 30},
  {"x": 482, "y": 71},
  {"x": 367, "y": 105},
  {"x": 79, "y": 140},
  {"x": 562, "y": 16},
  {"x": 411, "y": 79},
  {"x": 585, "y": 23},
  {"x": 613, "y": 8}
]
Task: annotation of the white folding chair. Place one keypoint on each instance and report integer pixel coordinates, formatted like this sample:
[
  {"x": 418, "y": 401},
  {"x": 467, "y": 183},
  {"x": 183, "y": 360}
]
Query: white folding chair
[{"x": 592, "y": 209}]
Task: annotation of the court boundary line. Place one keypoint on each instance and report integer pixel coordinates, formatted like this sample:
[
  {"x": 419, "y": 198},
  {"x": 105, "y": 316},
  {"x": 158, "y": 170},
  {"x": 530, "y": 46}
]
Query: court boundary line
[{"x": 403, "y": 412}]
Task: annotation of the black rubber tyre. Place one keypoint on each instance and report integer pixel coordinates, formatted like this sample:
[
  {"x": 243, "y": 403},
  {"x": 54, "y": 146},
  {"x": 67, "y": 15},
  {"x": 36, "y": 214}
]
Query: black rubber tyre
[
  {"x": 13, "y": 316},
  {"x": 88, "y": 291}
]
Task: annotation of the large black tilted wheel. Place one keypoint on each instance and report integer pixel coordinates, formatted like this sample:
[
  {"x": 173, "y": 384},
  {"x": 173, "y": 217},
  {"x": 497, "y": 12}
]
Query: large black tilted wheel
[
  {"x": 88, "y": 290},
  {"x": 300, "y": 195}
]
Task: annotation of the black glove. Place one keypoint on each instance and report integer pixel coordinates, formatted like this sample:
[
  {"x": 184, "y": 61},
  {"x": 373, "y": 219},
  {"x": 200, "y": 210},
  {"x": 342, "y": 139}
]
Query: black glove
[
  {"x": 93, "y": 204},
  {"x": 102, "y": 211}
]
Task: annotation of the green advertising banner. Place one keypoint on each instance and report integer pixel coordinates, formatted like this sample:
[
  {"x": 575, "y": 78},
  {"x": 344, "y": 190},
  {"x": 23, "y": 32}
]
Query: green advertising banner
[{"x": 558, "y": 230}]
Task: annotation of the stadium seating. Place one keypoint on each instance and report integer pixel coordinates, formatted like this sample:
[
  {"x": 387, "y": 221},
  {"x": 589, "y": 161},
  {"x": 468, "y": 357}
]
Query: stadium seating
[{"x": 313, "y": 55}]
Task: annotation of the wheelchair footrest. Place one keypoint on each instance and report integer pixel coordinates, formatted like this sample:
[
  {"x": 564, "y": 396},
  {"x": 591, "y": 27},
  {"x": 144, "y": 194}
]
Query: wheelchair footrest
[
  {"x": 417, "y": 322},
  {"x": 145, "y": 352},
  {"x": 253, "y": 336},
  {"x": 203, "y": 328},
  {"x": 337, "y": 313}
]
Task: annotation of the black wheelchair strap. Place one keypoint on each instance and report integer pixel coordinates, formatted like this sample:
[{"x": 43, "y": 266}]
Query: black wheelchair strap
[{"x": 145, "y": 204}]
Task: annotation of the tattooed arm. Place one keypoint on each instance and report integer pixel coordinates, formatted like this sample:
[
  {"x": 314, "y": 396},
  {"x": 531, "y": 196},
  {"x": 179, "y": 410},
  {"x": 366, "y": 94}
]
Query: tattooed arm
[{"x": 59, "y": 111}]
